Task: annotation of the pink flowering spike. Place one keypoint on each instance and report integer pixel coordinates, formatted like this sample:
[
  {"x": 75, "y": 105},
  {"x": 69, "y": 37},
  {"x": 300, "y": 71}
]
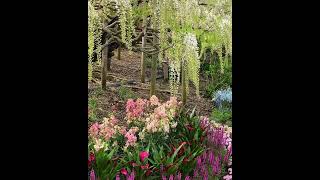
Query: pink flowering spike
[
  {"x": 199, "y": 163},
  {"x": 226, "y": 157},
  {"x": 92, "y": 175},
  {"x": 131, "y": 176},
  {"x": 214, "y": 169},
  {"x": 195, "y": 173},
  {"x": 211, "y": 157},
  {"x": 114, "y": 120},
  {"x": 187, "y": 178},
  {"x": 171, "y": 177},
  {"x": 94, "y": 130},
  {"x": 117, "y": 177},
  {"x": 143, "y": 155},
  {"x": 204, "y": 156},
  {"x": 179, "y": 176},
  {"x": 164, "y": 177}
]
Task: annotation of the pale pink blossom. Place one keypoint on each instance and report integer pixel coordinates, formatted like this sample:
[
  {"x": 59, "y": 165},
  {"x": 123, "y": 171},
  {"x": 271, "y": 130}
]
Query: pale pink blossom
[
  {"x": 123, "y": 131},
  {"x": 227, "y": 177},
  {"x": 154, "y": 100},
  {"x": 131, "y": 138},
  {"x": 94, "y": 130},
  {"x": 113, "y": 120},
  {"x": 160, "y": 112},
  {"x": 98, "y": 144}
]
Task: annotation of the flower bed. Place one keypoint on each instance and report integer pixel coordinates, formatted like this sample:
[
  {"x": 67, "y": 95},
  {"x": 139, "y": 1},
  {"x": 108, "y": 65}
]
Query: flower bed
[{"x": 159, "y": 141}]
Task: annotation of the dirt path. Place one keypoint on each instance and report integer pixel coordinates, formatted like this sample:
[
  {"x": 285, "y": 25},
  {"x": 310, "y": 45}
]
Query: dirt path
[{"x": 128, "y": 68}]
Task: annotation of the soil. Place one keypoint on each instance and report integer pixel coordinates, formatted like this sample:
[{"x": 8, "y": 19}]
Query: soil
[{"x": 126, "y": 71}]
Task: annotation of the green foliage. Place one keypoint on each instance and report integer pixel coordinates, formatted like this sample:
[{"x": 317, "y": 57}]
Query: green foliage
[
  {"x": 126, "y": 93},
  {"x": 126, "y": 19},
  {"x": 106, "y": 165},
  {"x": 188, "y": 130},
  {"x": 211, "y": 24},
  {"x": 92, "y": 108},
  {"x": 217, "y": 80},
  {"x": 183, "y": 25},
  {"x": 223, "y": 116},
  {"x": 165, "y": 152}
]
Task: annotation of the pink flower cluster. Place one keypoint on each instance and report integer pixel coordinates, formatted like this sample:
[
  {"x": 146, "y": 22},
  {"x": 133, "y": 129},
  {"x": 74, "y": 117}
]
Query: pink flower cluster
[
  {"x": 131, "y": 137},
  {"x": 218, "y": 138},
  {"x": 159, "y": 120},
  {"x": 207, "y": 164},
  {"x": 217, "y": 135},
  {"x": 94, "y": 130},
  {"x": 134, "y": 109},
  {"x": 154, "y": 101},
  {"x": 229, "y": 176},
  {"x": 105, "y": 130},
  {"x": 176, "y": 177}
]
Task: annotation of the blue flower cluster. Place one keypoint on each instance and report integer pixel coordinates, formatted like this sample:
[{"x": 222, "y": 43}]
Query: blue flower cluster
[{"x": 222, "y": 97}]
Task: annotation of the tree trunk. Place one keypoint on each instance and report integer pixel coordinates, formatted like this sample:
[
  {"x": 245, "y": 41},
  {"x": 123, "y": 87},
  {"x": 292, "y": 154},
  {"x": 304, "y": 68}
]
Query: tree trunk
[
  {"x": 154, "y": 69},
  {"x": 108, "y": 62},
  {"x": 165, "y": 68},
  {"x": 104, "y": 68},
  {"x": 184, "y": 84},
  {"x": 143, "y": 65}
]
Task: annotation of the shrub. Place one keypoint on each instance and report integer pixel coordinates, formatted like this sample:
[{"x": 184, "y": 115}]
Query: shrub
[
  {"x": 223, "y": 116},
  {"x": 92, "y": 108},
  {"x": 223, "y": 98},
  {"x": 158, "y": 140},
  {"x": 126, "y": 93},
  {"x": 216, "y": 78}
]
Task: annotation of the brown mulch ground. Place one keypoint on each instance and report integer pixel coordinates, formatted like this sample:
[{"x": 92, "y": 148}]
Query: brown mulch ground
[{"x": 128, "y": 67}]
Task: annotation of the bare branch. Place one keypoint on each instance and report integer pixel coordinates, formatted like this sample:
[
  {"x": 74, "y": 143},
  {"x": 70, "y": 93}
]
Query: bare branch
[
  {"x": 112, "y": 24},
  {"x": 107, "y": 30},
  {"x": 153, "y": 30},
  {"x": 137, "y": 38},
  {"x": 109, "y": 41}
]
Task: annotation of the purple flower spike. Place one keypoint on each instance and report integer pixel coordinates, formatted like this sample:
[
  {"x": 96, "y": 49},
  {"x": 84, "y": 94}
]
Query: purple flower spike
[
  {"x": 131, "y": 176},
  {"x": 211, "y": 158},
  {"x": 164, "y": 177},
  {"x": 171, "y": 177},
  {"x": 198, "y": 162},
  {"x": 204, "y": 156},
  {"x": 187, "y": 178},
  {"x": 195, "y": 173},
  {"x": 179, "y": 176}
]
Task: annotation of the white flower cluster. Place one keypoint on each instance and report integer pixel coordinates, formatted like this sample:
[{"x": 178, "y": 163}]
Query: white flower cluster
[{"x": 191, "y": 41}]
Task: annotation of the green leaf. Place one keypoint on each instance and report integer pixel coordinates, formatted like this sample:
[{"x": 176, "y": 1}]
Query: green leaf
[
  {"x": 150, "y": 160},
  {"x": 111, "y": 154},
  {"x": 170, "y": 160},
  {"x": 192, "y": 113}
]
